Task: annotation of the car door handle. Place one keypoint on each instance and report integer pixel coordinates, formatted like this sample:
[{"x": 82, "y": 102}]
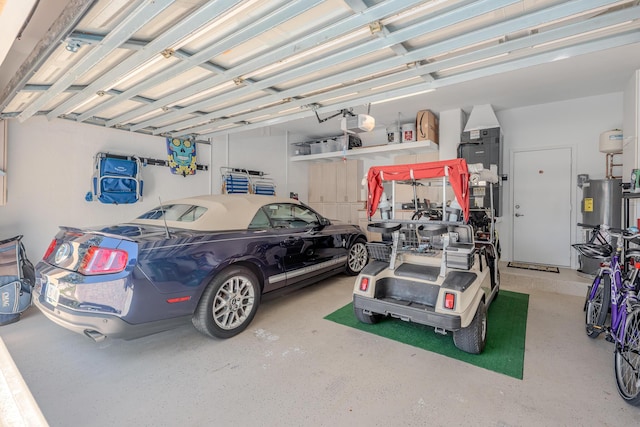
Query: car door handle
[
  {"x": 519, "y": 214},
  {"x": 290, "y": 240}
]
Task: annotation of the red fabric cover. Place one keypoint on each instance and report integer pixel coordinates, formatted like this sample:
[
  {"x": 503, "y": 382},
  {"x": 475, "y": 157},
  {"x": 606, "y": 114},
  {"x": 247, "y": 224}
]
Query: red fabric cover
[{"x": 457, "y": 172}]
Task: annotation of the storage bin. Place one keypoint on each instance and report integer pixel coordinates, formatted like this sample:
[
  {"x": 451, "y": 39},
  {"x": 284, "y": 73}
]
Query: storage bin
[
  {"x": 318, "y": 147},
  {"x": 408, "y": 132},
  {"x": 379, "y": 251},
  {"x": 460, "y": 255}
]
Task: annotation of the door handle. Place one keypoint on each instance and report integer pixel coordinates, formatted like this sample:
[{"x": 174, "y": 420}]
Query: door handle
[
  {"x": 519, "y": 214},
  {"x": 289, "y": 241}
]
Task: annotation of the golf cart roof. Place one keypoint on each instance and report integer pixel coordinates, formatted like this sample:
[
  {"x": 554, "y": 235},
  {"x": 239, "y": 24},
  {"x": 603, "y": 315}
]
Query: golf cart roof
[{"x": 455, "y": 169}]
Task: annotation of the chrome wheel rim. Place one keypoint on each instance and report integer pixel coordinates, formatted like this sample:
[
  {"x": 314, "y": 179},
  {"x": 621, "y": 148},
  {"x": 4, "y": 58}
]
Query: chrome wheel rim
[
  {"x": 233, "y": 302},
  {"x": 358, "y": 257}
]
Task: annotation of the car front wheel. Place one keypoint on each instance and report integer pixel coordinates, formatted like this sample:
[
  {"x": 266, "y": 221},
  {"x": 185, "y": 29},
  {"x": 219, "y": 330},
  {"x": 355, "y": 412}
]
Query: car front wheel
[
  {"x": 358, "y": 257},
  {"x": 228, "y": 304}
]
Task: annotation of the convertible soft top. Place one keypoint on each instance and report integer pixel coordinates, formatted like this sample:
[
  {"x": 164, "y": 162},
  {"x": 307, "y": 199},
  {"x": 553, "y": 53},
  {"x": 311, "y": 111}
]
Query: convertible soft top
[
  {"x": 224, "y": 211},
  {"x": 455, "y": 169}
]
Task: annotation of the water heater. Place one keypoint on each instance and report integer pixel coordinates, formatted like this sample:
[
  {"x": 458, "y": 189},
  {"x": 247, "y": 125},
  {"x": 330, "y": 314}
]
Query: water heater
[{"x": 601, "y": 204}]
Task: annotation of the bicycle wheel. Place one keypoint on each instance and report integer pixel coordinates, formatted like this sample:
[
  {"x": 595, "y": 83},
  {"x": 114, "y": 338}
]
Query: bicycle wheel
[
  {"x": 627, "y": 359},
  {"x": 598, "y": 306}
]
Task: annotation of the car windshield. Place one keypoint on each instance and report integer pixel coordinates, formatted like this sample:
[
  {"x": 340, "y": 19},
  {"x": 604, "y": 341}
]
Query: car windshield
[{"x": 183, "y": 213}]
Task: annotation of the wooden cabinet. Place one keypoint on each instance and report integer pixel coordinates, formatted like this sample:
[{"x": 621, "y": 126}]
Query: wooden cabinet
[
  {"x": 339, "y": 181},
  {"x": 322, "y": 182},
  {"x": 315, "y": 183},
  {"x": 343, "y": 212},
  {"x": 349, "y": 174},
  {"x": 327, "y": 210}
]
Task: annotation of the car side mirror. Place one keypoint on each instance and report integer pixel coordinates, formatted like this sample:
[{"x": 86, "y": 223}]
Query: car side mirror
[{"x": 319, "y": 225}]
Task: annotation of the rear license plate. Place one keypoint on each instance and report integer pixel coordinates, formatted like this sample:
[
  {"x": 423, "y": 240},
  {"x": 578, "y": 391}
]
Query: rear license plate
[{"x": 52, "y": 294}]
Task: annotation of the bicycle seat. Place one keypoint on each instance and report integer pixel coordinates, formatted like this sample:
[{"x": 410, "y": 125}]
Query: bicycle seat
[{"x": 593, "y": 250}]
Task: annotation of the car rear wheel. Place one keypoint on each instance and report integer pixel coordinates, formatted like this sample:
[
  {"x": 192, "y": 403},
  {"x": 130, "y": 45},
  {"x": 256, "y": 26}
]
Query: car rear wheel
[
  {"x": 358, "y": 257},
  {"x": 228, "y": 304},
  {"x": 472, "y": 339}
]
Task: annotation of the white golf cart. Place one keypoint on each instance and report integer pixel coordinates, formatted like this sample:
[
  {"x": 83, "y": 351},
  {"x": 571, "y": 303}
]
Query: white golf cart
[{"x": 440, "y": 273}]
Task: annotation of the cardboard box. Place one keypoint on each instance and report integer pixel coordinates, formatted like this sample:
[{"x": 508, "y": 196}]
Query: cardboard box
[{"x": 427, "y": 126}]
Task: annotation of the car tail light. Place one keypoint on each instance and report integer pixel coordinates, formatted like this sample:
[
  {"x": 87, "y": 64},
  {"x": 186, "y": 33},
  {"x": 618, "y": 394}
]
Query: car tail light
[
  {"x": 364, "y": 284},
  {"x": 103, "y": 260},
  {"x": 178, "y": 299},
  {"x": 50, "y": 249},
  {"x": 449, "y": 300}
]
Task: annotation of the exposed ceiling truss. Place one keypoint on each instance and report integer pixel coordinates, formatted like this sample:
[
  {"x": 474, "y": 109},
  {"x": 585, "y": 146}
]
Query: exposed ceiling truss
[{"x": 196, "y": 68}]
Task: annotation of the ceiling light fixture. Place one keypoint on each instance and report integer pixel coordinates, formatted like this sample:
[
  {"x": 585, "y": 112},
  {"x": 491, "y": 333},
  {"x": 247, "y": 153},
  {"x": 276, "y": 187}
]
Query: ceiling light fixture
[
  {"x": 313, "y": 51},
  {"x": 108, "y": 12},
  {"x": 335, "y": 98},
  {"x": 586, "y": 33},
  {"x": 136, "y": 71},
  {"x": 414, "y": 11},
  {"x": 395, "y": 98},
  {"x": 592, "y": 12},
  {"x": 214, "y": 24},
  {"x": 466, "y": 64},
  {"x": 396, "y": 83},
  {"x": 82, "y": 104},
  {"x": 188, "y": 100}
]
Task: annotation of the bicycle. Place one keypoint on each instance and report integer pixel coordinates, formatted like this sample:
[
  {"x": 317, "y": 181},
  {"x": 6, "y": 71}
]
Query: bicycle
[
  {"x": 610, "y": 290},
  {"x": 597, "y": 300}
]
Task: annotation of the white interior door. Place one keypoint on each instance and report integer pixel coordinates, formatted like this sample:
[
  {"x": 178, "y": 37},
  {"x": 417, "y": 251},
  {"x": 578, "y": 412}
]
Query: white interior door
[{"x": 542, "y": 206}]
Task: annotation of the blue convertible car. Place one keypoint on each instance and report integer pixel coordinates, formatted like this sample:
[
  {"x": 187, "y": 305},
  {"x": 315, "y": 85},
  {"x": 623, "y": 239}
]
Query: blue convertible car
[{"x": 204, "y": 259}]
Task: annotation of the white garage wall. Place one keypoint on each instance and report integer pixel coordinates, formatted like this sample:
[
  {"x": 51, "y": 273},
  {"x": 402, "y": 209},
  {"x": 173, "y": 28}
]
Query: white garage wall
[
  {"x": 50, "y": 165},
  {"x": 267, "y": 150},
  {"x": 575, "y": 123}
]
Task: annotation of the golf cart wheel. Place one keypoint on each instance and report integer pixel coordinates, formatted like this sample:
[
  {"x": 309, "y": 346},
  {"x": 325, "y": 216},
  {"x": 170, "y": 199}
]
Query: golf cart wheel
[
  {"x": 369, "y": 319},
  {"x": 473, "y": 338}
]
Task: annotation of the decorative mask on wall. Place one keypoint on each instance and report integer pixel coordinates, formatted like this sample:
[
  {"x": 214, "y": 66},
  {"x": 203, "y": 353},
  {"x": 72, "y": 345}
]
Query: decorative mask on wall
[{"x": 182, "y": 156}]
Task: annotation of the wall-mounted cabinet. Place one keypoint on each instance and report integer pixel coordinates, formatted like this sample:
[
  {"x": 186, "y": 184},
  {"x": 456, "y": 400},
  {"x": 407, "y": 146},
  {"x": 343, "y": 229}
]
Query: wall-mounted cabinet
[
  {"x": 335, "y": 189},
  {"x": 331, "y": 182}
]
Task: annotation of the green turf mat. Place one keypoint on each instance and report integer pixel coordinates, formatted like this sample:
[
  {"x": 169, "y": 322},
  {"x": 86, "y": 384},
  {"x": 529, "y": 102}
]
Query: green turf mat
[{"x": 506, "y": 329}]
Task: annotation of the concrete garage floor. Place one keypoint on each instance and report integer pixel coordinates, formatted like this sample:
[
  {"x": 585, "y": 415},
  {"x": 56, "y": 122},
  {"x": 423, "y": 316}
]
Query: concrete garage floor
[{"x": 293, "y": 368}]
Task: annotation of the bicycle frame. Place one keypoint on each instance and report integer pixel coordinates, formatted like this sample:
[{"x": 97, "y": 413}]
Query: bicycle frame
[
  {"x": 619, "y": 294},
  {"x": 624, "y": 304}
]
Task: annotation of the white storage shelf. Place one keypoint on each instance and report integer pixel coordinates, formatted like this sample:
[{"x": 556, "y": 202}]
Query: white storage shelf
[{"x": 376, "y": 150}]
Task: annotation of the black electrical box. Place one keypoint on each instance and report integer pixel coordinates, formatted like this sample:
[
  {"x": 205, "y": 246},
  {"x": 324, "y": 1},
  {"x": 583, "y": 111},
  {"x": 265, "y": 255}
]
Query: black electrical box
[{"x": 484, "y": 146}]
